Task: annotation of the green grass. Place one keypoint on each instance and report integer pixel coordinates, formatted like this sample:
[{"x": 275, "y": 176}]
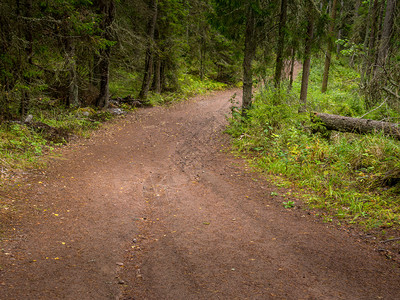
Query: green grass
[
  {"x": 22, "y": 146},
  {"x": 189, "y": 86},
  {"x": 354, "y": 178}
]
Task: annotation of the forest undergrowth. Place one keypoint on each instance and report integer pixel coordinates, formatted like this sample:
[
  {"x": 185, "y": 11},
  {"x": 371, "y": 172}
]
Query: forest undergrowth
[
  {"x": 348, "y": 178},
  {"x": 22, "y": 144}
]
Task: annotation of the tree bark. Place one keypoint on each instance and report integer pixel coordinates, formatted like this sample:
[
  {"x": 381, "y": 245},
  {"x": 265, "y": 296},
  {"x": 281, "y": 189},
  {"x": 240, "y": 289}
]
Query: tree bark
[
  {"x": 356, "y": 125},
  {"x": 281, "y": 43},
  {"x": 108, "y": 10},
  {"x": 363, "y": 77},
  {"x": 157, "y": 75},
  {"x": 249, "y": 52},
  {"x": 73, "y": 90},
  {"x": 372, "y": 38},
  {"x": 26, "y": 12},
  {"x": 386, "y": 32},
  {"x": 292, "y": 62},
  {"x": 306, "y": 63},
  {"x": 330, "y": 48},
  {"x": 149, "y": 60},
  {"x": 379, "y": 21}
]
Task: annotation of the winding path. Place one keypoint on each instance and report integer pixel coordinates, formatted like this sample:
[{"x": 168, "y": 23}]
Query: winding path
[{"x": 152, "y": 207}]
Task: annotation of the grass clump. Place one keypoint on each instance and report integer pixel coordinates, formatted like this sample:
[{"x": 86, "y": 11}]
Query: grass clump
[
  {"x": 189, "y": 86},
  {"x": 355, "y": 178}
]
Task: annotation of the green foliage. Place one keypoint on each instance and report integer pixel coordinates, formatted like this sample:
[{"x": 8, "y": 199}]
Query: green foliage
[
  {"x": 288, "y": 204},
  {"x": 124, "y": 83},
  {"x": 189, "y": 86},
  {"x": 354, "y": 177},
  {"x": 343, "y": 95},
  {"x": 20, "y": 146}
]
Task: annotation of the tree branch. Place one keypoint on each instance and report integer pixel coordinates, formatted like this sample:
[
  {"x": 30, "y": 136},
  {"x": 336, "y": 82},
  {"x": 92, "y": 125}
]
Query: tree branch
[{"x": 373, "y": 109}]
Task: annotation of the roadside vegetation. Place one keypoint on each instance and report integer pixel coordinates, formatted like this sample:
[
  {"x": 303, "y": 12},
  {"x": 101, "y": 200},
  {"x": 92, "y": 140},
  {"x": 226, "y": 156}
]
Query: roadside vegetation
[
  {"x": 352, "y": 178},
  {"x": 22, "y": 144}
]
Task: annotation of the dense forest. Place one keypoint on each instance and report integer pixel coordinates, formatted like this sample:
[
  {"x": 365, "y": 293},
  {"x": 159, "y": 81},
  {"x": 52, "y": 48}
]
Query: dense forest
[
  {"x": 73, "y": 51},
  {"x": 62, "y": 62}
]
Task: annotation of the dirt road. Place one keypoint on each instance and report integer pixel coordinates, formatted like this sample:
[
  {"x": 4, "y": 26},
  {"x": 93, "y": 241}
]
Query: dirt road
[{"x": 151, "y": 208}]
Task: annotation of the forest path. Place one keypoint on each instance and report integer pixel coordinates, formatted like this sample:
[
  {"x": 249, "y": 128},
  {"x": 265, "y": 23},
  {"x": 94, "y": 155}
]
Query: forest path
[{"x": 151, "y": 208}]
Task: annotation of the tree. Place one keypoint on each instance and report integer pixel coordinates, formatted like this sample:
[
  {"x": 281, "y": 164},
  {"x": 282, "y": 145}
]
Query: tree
[
  {"x": 386, "y": 32},
  {"x": 245, "y": 21},
  {"x": 307, "y": 58},
  {"x": 148, "y": 71},
  {"x": 107, "y": 12},
  {"x": 329, "y": 48},
  {"x": 281, "y": 43},
  {"x": 250, "y": 44}
]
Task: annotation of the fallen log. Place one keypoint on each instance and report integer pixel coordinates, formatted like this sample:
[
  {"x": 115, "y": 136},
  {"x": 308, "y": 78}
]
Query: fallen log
[{"x": 355, "y": 125}]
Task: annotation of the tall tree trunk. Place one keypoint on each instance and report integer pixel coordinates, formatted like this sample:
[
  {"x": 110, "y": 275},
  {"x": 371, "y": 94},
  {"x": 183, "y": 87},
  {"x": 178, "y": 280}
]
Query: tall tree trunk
[
  {"x": 306, "y": 63},
  {"x": 26, "y": 12},
  {"x": 148, "y": 72},
  {"x": 202, "y": 57},
  {"x": 378, "y": 37},
  {"x": 249, "y": 52},
  {"x": 372, "y": 39},
  {"x": 108, "y": 11},
  {"x": 73, "y": 90},
  {"x": 157, "y": 75},
  {"x": 365, "y": 44},
  {"x": 281, "y": 43},
  {"x": 104, "y": 92},
  {"x": 292, "y": 62},
  {"x": 386, "y": 32},
  {"x": 330, "y": 47}
]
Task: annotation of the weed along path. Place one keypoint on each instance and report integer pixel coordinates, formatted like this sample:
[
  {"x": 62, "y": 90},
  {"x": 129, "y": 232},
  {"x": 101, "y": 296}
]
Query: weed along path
[{"x": 151, "y": 208}]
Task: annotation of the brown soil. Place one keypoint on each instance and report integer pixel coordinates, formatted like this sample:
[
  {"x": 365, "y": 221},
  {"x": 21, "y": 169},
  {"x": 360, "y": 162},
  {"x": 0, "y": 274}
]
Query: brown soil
[{"x": 152, "y": 207}]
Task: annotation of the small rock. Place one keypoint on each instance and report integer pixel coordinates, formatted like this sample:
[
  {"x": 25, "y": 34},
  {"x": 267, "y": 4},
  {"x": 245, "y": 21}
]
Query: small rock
[
  {"x": 116, "y": 111},
  {"x": 28, "y": 119},
  {"x": 120, "y": 264}
]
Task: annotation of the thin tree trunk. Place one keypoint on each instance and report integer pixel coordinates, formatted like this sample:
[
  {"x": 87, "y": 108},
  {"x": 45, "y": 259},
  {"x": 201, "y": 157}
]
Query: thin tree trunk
[
  {"x": 27, "y": 32},
  {"x": 148, "y": 72},
  {"x": 378, "y": 38},
  {"x": 104, "y": 92},
  {"x": 330, "y": 48},
  {"x": 202, "y": 58},
  {"x": 306, "y": 64},
  {"x": 157, "y": 75},
  {"x": 372, "y": 38},
  {"x": 281, "y": 43},
  {"x": 73, "y": 91},
  {"x": 292, "y": 61},
  {"x": 366, "y": 43},
  {"x": 386, "y": 31},
  {"x": 108, "y": 11},
  {"x": 340, "y": 31},
  {"x": 249, "y": 52}
]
